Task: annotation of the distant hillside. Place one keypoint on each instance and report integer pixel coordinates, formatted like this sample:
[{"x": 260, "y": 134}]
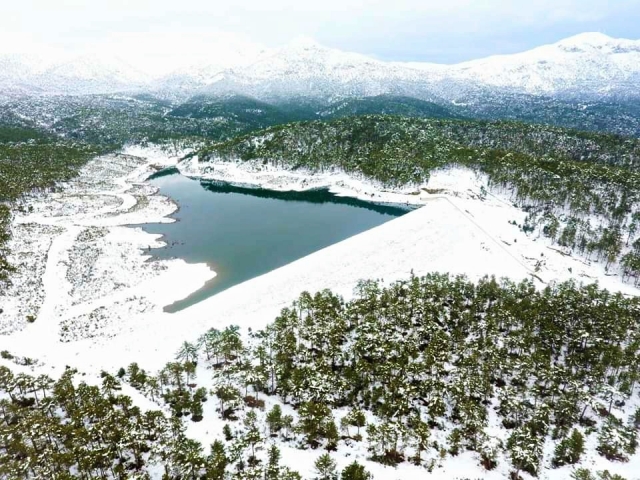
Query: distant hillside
[
  {"x": 245, "y": 109},
  {"x": 372, "y": 144},
  {"x": 387, "y": 105},
  {"x": 252, "y": 113},
  {"x": 257, "y": 114},
  {"x": 119, "y": 119},
  {"x": 614, "y": 116},
  {"x": 116, "y": 120}
]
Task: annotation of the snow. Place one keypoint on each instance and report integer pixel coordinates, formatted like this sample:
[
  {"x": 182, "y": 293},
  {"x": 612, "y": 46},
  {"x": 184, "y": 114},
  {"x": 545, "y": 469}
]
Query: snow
[
  {"x": 69, "y": 74},
  {"x": 306, "y": 68},
  {"x": 81, "y": 231},
  {"x": 455, "y": 231},
  {"x": 89, "y": 73},
  {"x": 585, "y": 65},
  {"x": 98, "y": 283}
]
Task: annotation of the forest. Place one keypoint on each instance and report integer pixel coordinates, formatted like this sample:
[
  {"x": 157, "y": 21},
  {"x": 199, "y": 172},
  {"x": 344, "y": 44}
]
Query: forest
[
  {"x": 141, "y": 118},
  {"x": 418, "y": 371}
]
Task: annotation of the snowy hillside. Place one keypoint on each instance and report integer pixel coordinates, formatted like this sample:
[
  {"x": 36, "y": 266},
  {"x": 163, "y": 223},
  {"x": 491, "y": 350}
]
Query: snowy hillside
[
  {"x": 586, "y": 65},
  {"x": 113, "y": 317},
  {"x": 305, "y": 68},
  {"x": 83, "y": 74},
  {"x": 91, "y": 74},
  {"x": 14, "y": 67},
  {"x": 209, "y": 69},
  {"x": 16, "y": 72},
  {"x": 590, "y": 63}
]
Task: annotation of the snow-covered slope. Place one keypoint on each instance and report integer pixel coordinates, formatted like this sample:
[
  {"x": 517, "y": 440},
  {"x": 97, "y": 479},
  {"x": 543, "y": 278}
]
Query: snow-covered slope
[
  {"x": 82, "y": 74},
  {"x": 96, "y": 314},
  {"x": 13, "y": 67},
  {"x": 589, "y": 63},
  {"x": 586, "y": 65},
  {"x": 18, "y": 70},
  {"x": 91, "y": 74},
  {"x": 209, "y": 69},
  {"x": 305, "y": 68}
]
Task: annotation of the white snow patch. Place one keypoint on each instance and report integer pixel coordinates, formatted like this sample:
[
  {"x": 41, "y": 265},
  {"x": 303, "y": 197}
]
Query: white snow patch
[{"x": 460, "y": 229}]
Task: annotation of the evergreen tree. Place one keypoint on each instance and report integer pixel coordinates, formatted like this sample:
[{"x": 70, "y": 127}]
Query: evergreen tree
[
  {"x": 272, "y": 471},
  {"x": 274, "y": 419},
  {"x": 188, "y": 353},
  {"x": 355, "y": 471},
  {"x": 569, "y": 450},
  {"x": 325, "y": 468}
]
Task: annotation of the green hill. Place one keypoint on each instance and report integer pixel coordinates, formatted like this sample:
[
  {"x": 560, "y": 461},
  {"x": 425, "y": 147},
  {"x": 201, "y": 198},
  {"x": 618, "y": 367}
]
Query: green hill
[{"x": 387, "y": 105}]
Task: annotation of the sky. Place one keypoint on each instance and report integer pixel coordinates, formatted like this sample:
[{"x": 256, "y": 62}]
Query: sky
[{"x": 153, "y": 33}]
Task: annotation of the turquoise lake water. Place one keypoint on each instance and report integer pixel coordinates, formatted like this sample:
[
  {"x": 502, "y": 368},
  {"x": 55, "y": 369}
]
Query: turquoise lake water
[{"x": 245, "y": 232}]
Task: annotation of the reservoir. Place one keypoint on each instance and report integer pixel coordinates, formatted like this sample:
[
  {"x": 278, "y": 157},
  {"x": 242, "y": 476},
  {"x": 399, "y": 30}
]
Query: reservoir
[{"x": 244, "y": 232}]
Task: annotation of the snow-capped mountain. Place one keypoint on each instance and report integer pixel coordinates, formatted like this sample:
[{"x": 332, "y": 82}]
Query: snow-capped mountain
[
  {"x": 305, "y": 68},
  {"x": 209, "y": 70},
  {"x": 84, "y": 74},
  {"x": 17, "y": 71},
  {"x": 13, "y": 68},
  {"x": 91, "y": 74},
  {"x": 586, "y": 64}
]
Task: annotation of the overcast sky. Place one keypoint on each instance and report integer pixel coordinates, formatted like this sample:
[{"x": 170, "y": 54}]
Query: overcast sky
[{"x": 444, "y": 31}]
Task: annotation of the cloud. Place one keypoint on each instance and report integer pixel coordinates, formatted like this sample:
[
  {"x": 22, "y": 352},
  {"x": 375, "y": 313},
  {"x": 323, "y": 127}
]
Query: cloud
[{"x": 161, "y": 53}]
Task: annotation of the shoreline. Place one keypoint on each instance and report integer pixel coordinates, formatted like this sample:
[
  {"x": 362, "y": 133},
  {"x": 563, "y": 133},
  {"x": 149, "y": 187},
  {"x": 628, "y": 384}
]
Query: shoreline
[
  {"x": 454, "y": 231},
  {"x": 254, "y": 174},
  {"x": 328, "y": 188},
  {"x": 249, "y": 188},
  {"x": 100, "y": 266}
]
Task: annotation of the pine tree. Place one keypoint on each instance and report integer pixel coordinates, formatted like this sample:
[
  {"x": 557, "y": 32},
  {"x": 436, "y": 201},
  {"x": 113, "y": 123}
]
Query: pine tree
[
  {"x": 616, "y": 441},
  {"x": 313, "y": 421},
  {"x": 355, "y": 471},
  {"x": 196, "y": 410},
  {"x": 325, "y": 468},
  {"x": 274, "y": 419},
  {"x": 525, "y": 449},
  {"x": 569, "y": 450},
  {"x": 356, "y": 417},
  {"x": 332, "y": 435},
  {"x": 272, "y": 471},
  {"x": 188, "y": 353},
  {"x": 252, "y": 434},
  {"x": 217, "y": 462}
]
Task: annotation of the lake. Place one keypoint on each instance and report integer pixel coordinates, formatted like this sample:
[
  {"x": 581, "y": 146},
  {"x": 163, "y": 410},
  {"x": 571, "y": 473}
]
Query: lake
[{"x": 245, "y": 232}]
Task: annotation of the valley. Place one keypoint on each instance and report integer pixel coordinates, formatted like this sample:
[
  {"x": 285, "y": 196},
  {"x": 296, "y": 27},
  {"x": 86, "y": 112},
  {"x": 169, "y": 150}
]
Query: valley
[
  {"x": 114, "y": 317},
  {"x": 321, "y": 265}
]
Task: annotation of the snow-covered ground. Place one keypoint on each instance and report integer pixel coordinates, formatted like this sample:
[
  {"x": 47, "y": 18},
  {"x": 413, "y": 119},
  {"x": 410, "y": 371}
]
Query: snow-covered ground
[
  {"x": 87, "y": 278},
  {"x": 97, "y": 298},
  {"x": 82, "y": 271}
]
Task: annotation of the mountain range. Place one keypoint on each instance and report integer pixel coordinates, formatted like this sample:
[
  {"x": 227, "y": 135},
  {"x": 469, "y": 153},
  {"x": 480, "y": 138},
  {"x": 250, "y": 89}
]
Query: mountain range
[{"x": 586, "y": 66}]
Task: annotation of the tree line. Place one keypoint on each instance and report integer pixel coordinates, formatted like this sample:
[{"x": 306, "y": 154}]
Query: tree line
[{"x": 580, "y": 189}]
